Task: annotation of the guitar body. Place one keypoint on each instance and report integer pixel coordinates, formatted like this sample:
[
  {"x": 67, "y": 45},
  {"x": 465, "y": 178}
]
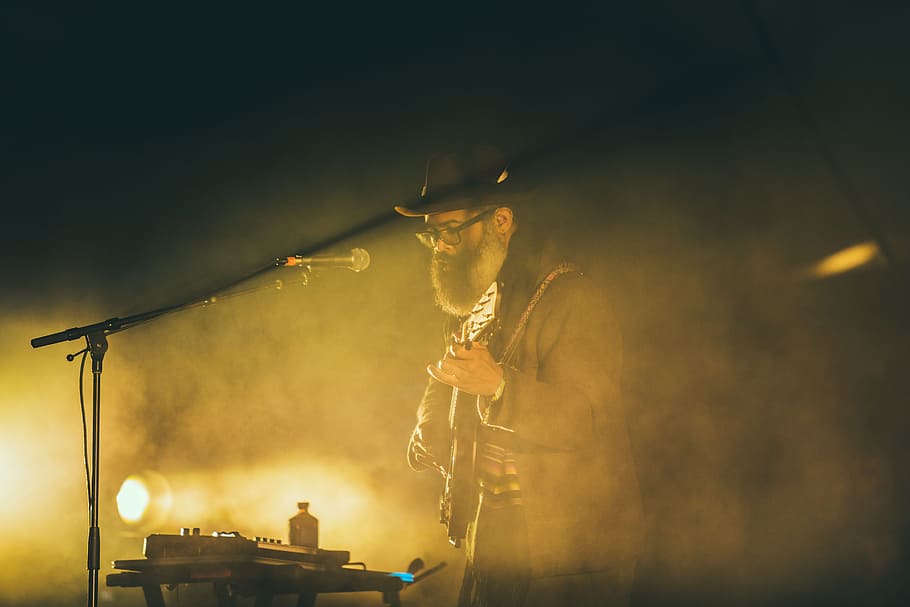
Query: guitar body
[
  {"x": 459, "y": 497},
  {"x": 460, "y": 491}
]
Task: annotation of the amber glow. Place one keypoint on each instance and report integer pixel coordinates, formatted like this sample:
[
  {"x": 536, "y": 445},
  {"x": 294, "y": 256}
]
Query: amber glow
[
  {"x": 132, "y": 500},
  {"x": 258, "y": 500},
  {"x": 14, "y": 475},
  {"x": 846, "y": 259},
  {"x": 144, "y": 499}
]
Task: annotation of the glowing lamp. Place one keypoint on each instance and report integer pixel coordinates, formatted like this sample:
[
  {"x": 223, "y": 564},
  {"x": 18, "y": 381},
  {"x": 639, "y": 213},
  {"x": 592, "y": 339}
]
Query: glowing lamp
[
  {"x": 132, "y": 500},
  {"x": 144, "y": 500},
  {"x": 847, "y": 259}
]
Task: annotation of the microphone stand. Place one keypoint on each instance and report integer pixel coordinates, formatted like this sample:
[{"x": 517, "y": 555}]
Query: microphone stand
[{"x": 96, "y": 343}]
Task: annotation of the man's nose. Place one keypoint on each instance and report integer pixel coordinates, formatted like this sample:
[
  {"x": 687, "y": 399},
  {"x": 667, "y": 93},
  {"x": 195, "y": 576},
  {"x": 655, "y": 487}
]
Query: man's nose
[{"x": 443, "y": 247}]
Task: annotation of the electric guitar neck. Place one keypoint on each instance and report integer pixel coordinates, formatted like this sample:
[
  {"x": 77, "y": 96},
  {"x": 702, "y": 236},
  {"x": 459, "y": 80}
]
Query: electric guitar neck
[{"x": 460, "y": 490}]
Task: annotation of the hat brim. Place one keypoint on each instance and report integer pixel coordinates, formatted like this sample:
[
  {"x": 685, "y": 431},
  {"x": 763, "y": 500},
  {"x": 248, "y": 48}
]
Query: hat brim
[{"x": 475, "y": 198}]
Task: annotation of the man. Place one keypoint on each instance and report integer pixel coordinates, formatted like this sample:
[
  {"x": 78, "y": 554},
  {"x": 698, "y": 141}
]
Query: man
[{"x": 558, "y": 511}]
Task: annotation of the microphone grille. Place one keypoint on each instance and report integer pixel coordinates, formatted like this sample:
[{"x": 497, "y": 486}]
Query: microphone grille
[{"x": 360, "y": 259}]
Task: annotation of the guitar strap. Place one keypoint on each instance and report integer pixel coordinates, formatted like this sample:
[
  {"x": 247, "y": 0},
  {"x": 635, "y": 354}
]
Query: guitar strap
[{"x": 563, "y": 268}]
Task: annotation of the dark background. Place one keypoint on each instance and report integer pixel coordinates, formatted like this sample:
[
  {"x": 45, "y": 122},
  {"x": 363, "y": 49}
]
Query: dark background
[{"x": 699, "y": 158}]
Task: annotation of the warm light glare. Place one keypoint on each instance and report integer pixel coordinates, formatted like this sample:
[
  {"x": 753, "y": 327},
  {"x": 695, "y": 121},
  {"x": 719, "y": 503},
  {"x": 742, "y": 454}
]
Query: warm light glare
[
  {"x": 133, "y": 500},
  {"x": 11, "y": 471},
  {"x": 144, "y": 499},
  {"x": 258, "y": 499},
  {"x": 846, "y": 259}
]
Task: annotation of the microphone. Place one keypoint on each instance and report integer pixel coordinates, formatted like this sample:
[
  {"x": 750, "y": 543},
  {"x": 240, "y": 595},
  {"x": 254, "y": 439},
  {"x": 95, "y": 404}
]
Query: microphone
[{"x": 356, "y": 259}]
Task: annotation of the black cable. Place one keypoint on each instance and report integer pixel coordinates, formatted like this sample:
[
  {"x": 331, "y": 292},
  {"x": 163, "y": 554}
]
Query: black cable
[{"x": 88, "y": 482}]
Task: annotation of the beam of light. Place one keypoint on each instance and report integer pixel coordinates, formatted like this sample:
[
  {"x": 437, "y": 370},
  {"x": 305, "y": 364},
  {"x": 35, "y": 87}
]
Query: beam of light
[
  {"x": 846, "y": 260},
  {"x": 30, "y": 461},
  {"x": 12, "y": 472},
  {"x": 40, "y": 469},
  {"x": 260, "y": 498}
]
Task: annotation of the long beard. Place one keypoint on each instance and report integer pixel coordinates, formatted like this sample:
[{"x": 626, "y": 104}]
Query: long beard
[{"x": 460, "y": 280}]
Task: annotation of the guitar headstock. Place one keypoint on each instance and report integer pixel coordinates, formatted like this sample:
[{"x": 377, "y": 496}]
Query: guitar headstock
[{"x": 481, "y": 322}]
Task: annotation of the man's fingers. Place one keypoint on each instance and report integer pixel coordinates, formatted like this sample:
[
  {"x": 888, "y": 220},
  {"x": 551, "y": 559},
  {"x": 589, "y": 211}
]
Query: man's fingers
[
  {"x": 441, "y": 375},
  {"x": 462, "y": 351},
  {"x": 447, "y": 365}
]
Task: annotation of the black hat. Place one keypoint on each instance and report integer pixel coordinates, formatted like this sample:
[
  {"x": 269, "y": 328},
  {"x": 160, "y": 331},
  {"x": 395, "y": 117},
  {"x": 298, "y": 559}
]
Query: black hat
[{"x": 468, "y": 179}]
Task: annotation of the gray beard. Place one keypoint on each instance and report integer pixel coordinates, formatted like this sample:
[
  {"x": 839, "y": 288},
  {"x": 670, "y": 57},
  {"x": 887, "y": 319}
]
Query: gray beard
[{"x": 459, "y": 281}]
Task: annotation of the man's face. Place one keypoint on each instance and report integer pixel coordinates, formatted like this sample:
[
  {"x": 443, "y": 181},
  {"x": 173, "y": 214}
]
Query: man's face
[
  {"x": 470, "y": 236},
  {"x": 462, "y": 272}
]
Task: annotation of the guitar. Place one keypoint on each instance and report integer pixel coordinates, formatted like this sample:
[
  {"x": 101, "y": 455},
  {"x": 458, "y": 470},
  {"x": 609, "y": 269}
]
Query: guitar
[{"x": 459, "y": 492}]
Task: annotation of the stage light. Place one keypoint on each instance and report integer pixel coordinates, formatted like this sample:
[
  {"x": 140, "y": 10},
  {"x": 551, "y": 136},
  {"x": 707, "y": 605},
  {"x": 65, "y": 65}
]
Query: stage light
[
  {"x": 846, "y": 259},
  {"x": 132, "y": 500},
  {"x": 144, "y": 500}
]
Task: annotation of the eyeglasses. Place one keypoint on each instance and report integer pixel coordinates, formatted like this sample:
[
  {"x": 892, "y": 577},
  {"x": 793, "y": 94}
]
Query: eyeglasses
[{"x": 450, "y": 235}]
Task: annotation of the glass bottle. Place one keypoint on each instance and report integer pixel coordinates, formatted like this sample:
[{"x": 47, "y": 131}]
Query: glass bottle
[{"x": 304, "y": 527}]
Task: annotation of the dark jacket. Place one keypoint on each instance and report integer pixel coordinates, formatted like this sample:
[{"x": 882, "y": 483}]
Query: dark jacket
[{"x": 562, "y": 412}]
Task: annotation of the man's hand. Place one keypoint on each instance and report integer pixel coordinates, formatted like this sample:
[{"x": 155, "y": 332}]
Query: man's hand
[
  {"x": 420, "y": 455},
  {"x": 470, "y": 369}
]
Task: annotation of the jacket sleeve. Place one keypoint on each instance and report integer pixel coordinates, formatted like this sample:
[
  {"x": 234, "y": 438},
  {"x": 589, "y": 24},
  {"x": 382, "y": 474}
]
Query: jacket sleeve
[
  {"x": 562, "y": 394},
  {"x": 428, "y": 447}
]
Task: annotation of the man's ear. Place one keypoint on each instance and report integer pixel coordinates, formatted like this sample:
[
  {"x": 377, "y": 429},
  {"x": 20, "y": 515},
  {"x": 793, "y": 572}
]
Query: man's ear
[{"x": 503, "y": 219}]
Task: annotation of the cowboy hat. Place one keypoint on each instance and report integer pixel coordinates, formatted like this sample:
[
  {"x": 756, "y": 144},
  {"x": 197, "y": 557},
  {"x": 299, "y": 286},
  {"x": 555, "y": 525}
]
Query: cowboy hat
[{"x": 464, "y": 179}]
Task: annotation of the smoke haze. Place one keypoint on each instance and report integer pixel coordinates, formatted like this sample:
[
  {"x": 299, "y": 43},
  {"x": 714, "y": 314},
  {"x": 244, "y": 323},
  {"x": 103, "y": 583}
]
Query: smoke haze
[{"x": 765, "y": 406}]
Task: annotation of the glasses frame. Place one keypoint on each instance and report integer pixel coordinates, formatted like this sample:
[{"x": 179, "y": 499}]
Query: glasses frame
[{"x": 431, "y": 236}]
